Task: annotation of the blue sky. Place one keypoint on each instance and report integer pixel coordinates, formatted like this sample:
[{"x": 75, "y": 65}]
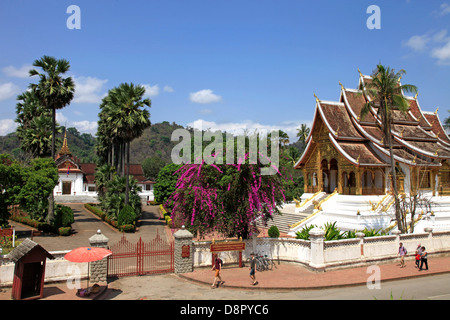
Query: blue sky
[{"x": 233, "y": 64}]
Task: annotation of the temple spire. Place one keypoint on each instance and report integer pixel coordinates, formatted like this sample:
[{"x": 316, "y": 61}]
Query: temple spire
[{"x": 65, "y": 148}]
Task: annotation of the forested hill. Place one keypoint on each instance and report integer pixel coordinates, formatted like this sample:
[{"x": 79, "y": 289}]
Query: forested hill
[{"x": 155, "y": 141}]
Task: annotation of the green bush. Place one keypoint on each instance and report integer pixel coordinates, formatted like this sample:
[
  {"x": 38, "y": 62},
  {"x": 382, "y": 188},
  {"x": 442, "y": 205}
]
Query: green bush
[
  {"x": 95, "y": 210},
  {"x": 304, "y": 233},
  {"x": 63, "y": 217},
  {"x": 126, "y": 216},
  {"x": 127, "y": 228},
  {"x": 273, "y": 232},
  {"x": 64, "y": 231}
]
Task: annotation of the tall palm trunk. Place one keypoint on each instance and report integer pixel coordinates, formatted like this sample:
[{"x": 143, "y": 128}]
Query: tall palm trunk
[
  {"x": 387, "y": 122},
  {"x": 51, "y": 198},
  {"x": 127, "y": 187}
]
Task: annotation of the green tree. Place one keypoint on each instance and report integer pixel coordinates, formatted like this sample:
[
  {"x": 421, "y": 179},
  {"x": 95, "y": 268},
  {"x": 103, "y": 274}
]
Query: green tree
[
  {"x": 152, "y": 166},
  {"x": 114, "y": 198},
  {"x": 386, "y": 94},
  {"x": 39, "y": 180},
  {"x": 54, "y": 92},
  {"x": 166, "y": 183},
  {"x": 303, "y": 132},
  {"x": 10, "y": 184},
  {"x": 125, "y": 119},
  {"x": 34, "y": 128}
]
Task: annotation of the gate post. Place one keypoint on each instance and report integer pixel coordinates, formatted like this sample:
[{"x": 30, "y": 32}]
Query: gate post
[
  {"x": 183, "y": 251},
  {"x": 99, "y": 269},
  {"x": 317, "y": 255}
]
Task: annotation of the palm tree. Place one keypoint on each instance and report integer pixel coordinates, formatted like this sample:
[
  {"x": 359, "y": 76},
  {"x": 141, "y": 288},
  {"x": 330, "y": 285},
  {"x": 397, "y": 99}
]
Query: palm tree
[
  {"x": 34, "y": 128},
  {"x": 303, "y": 132},
  {"x": 386, "y": 94},
  {"x": 284, "y": 138},
  {"x": 127, "y": 119},
  {"x": 54, "y": 92}
]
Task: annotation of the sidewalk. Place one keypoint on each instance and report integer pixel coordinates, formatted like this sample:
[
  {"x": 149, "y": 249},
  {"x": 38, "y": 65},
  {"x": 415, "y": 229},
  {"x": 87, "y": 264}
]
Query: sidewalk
[
  {"x": 295, "y": 276},
  {"x": 287, "y": 276}
]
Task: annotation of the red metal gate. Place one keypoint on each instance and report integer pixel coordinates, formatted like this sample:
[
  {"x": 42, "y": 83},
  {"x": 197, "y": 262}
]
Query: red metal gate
[{"x": 133, "y": 259}]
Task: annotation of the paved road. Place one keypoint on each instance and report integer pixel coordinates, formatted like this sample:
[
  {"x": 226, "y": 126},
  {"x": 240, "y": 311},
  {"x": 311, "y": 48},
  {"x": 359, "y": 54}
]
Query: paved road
[
  {"x": 86, "y": 225},
  {"x": 172, "y": 287}
]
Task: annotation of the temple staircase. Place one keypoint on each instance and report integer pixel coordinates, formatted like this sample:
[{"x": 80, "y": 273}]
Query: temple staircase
[{"x": 290, "y": 213}]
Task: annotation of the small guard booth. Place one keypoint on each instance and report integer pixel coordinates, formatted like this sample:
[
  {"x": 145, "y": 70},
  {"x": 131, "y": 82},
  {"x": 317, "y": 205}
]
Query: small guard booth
[{"x": 29, "y": 271}]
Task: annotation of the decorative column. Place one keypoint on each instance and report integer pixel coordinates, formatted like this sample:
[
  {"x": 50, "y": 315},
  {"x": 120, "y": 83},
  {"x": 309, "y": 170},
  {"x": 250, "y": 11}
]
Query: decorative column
[
  {"x": 430, "y": 245},
  {"x": 317, "y": 238},
  {"x": 358, "y": 179},
  {"x": 99, "y": 269},
  {"x": 183, "y": 251},
  {"x": 360, "y": 235}
]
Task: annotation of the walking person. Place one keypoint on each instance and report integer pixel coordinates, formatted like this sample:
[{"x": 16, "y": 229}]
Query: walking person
[
  {"x": 418, "y": 255},
  {"x": 402, "y": 253},
  {"x": 217, "y": 266},
  {"x": 253, "y": 269},
  {"x": 423, "y": 259}
]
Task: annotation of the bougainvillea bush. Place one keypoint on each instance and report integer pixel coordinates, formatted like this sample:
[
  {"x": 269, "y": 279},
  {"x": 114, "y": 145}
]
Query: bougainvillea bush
[{"x": 225, "y": 198}]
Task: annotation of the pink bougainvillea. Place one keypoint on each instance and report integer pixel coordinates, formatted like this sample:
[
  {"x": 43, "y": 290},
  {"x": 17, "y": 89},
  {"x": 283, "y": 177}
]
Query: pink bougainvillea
[{"x": 227, "y": 198}]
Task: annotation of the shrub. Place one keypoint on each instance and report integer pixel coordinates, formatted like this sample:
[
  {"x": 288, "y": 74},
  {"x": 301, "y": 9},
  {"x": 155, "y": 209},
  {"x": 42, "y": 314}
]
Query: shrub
[
  {"x": 304, "y": 233},
  {"x": 273, "y": 232},
  {"x": 127, "y": 228},
  {"x": 64, "y": 231},
  {"x": 95, "y": 210},
  {"x": 63, "y": 216},
  {"x": 126, "y": 216}
]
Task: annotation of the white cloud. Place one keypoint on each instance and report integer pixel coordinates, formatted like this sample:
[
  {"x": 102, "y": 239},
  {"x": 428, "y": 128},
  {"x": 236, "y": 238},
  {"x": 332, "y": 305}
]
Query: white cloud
[
  {"x": 249, "y": 127},
  {"x": 22, "y": 72},
  {"x": 7, "y": 126},
  {"x": 204, "y": 97},
  {"x": 442, "y": 54},
  {"x": 168, "y": 89},
  {"x": 444, "y": 9},
  {"x": 151, "y": 91},
  {"x": 417, "y": 43},
  {"x": 8, "y": 90},
  {"x": 83, "y": 126},
  {"x": 89, "y": 89},
  {"x": 437, "y": 45}
]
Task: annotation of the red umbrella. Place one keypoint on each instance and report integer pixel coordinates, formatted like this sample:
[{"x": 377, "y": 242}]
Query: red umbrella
[{"x": 87, "y": 254}]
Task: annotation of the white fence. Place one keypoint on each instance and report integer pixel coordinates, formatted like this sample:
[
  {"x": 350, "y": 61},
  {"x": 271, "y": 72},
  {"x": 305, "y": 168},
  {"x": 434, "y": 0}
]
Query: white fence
[
  {"x": 318, "y": 254},
  {"x": 58, "y": 269}
]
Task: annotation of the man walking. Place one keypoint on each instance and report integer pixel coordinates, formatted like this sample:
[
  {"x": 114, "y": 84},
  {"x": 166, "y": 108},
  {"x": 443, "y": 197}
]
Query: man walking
[
  {"x": 217, "y": 267},
  {"x": 402, "y": 253},
  {"x": 253, "y": 269}
]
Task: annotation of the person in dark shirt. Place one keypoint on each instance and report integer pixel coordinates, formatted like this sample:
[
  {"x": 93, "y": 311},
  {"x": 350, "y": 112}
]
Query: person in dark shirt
[{"x": 253, "y": 269}]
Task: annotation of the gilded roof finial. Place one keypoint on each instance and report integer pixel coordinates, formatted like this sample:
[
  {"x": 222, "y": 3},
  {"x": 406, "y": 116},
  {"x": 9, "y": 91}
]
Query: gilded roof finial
[
  {"x": 357, "y": 160},
  {"x": 360, "y": 74},
  {"x": 317, "y": 99},
  {"x": 399, "y": 79},
  {"x": 414, "y": 160},
  {"x": 342, "y": 86},
  {"x": 337, "y": 131},
  {"x": 417, "y": 93},
  {"x": 436, "y": 153},
  {"x": 436, "y": 110}
]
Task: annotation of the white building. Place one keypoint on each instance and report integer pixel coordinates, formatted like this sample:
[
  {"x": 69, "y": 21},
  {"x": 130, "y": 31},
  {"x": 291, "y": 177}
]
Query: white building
[{"x": 77, "y": 179}]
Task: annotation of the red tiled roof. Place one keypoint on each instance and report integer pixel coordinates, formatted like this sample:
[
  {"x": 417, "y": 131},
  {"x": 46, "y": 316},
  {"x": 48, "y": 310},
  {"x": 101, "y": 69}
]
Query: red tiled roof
[{"x": 361, "y": 141}]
